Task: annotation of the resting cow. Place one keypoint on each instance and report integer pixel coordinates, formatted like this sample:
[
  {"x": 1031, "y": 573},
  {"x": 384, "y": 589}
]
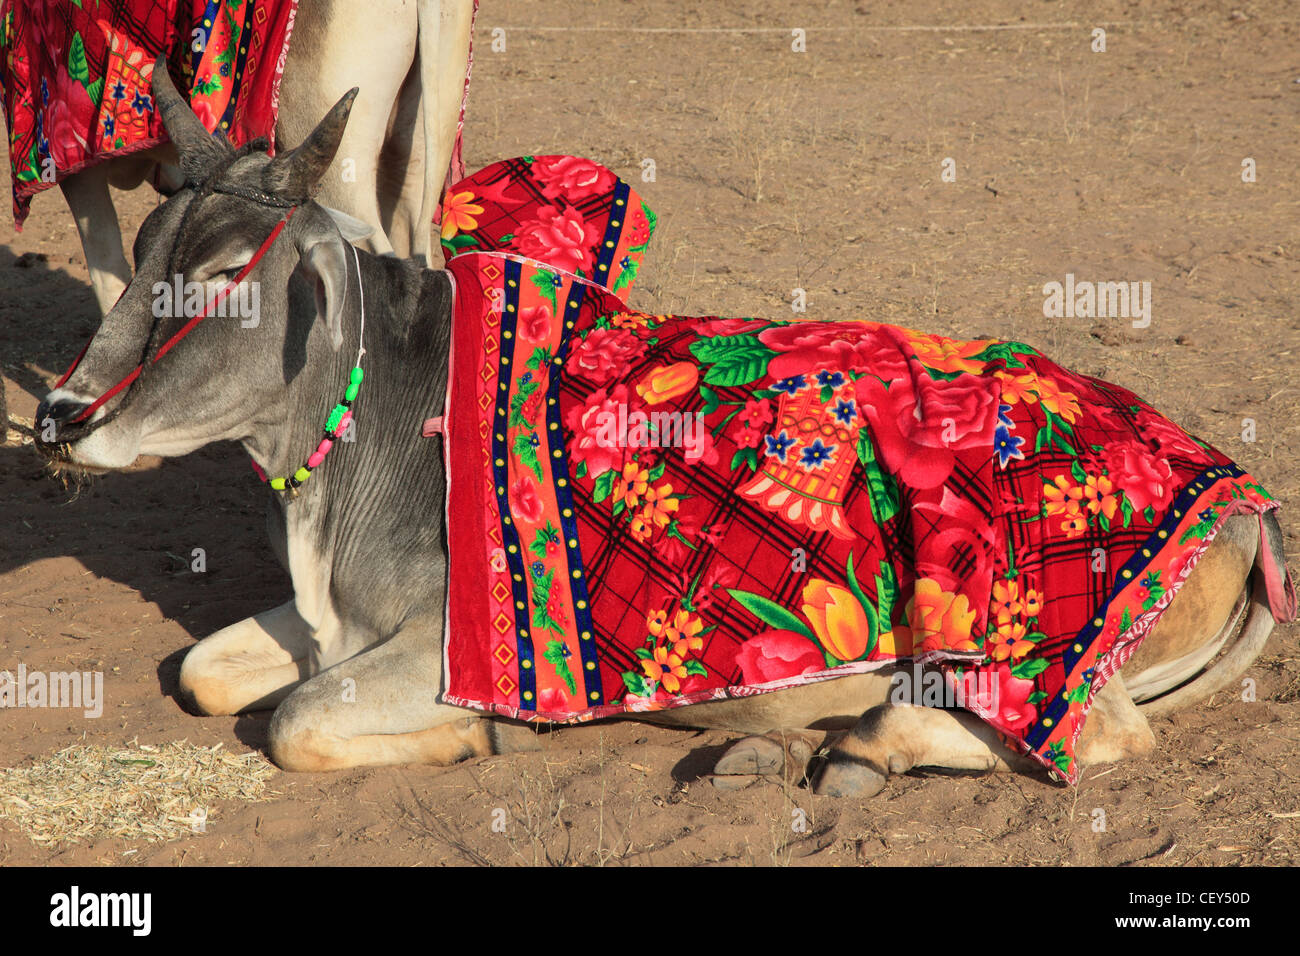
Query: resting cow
[{"x": 512, "y": 532}]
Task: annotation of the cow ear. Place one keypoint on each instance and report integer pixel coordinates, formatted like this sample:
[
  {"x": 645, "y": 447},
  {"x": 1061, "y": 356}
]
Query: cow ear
[
  {"x": 351, "y": 227},
  {"x": 324, "y": 261}
]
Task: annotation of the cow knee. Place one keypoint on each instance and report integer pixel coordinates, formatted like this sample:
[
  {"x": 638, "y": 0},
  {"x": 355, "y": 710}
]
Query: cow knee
[
  {"x": 297, "y": 744},
  {"x": 200, "y": 691}
]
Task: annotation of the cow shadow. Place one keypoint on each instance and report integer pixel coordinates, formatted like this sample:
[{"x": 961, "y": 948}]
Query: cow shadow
[{"x": 188, "y": 536}]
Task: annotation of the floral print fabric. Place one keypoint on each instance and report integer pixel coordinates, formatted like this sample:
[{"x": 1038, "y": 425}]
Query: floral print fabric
[
  {"x": 648, "y": 511},
  {"x": 77, "y": 74}
]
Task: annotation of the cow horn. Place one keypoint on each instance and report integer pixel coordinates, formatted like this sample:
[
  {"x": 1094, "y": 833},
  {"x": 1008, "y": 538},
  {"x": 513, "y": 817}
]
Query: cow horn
[
  {"x": 183, "y": 127},
  {"x": 296, "y": 173}
]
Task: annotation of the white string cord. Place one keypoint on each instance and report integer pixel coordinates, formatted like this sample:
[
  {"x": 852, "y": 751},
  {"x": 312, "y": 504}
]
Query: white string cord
[{"x": 361, "y": 338}]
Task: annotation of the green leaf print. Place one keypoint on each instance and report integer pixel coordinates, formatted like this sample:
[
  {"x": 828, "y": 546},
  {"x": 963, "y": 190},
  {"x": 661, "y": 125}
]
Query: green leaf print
[
  {"x": 78, "y": 69},
  {"x": 545, "y": 283},
  {"x": 771, "y": 613},
  {"x": 526, "y": 453},
  {"x": 555, "y": 654}
]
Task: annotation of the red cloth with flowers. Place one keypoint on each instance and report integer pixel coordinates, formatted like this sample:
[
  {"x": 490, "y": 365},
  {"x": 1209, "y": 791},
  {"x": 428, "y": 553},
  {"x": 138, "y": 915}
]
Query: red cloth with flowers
[
  {"x": 647, "y": 511},
  {"x": 77, "y": 74}
]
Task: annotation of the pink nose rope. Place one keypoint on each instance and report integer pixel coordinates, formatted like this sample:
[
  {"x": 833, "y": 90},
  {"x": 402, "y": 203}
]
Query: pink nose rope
[{"x": 433, "y": 426}]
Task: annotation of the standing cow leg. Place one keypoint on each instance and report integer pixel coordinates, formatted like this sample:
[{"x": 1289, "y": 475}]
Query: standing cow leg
[
  {"x": 87, "y": 196},
  {"x": 325, "y": 61},
  {"x": 380, "y": 708}
]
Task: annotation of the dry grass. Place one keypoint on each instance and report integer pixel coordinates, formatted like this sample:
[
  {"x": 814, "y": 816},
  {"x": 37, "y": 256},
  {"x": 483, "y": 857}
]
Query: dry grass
[{"x": 84, "y": 793}]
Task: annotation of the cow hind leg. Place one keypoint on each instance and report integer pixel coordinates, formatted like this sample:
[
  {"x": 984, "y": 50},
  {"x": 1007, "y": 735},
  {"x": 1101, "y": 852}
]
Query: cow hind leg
[{"x": 894, "y": 738}]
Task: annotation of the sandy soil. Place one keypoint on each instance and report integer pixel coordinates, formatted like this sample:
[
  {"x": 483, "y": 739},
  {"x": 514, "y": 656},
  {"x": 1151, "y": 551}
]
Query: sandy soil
[{"x": 774, "y": 170}]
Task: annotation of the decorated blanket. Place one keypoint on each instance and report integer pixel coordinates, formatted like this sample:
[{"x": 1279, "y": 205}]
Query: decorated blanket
[
  {"x": 76, "y": 77},
  {"x": 648, "y": 511}
]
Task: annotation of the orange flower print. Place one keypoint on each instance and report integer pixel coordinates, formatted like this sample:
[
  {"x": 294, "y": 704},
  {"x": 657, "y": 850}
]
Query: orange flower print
[
  {"x": 836, "y": 618},
  {"x": 684, "y": 634},
  {"x": 936, "y": 619},
  {"x": 1008, "y": 641},
  {"x": 1062, "y": 497},
  {"x": 458, "y": 212},
  {"x": 641, "y": 527},
  {"x": 630, "y": 485},
  {"x": 1074, "y": 526},
  {"x": 656, "y": 622},
  {"x": 660, "y": 505},
  {"x": 947, "y": 355},
  {"x": 1018, "y": 388},
  {"x": 667, "y": 668},
  {"x": 1033, "y": 603},
  {"x": 630, "y": 320},
  {"x": 669, "y": 382},
  {"x": 1006, "y": 603},
  {"x": 1064, "y": 404},
  {"x": 1097, "y": 496}
]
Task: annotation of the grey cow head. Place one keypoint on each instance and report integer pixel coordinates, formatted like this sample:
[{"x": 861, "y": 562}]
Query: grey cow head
[{"x": 230, "y": 372}]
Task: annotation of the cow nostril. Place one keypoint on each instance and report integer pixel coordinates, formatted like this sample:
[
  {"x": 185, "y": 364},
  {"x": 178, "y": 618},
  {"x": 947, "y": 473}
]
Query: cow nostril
[{"x": 60, "y": 412}]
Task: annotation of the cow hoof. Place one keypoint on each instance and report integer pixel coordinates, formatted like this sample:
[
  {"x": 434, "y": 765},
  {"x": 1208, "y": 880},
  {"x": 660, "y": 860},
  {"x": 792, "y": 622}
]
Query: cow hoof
[
  {"x": 735, "y": 781},
  {"x": 848, "y": 778},
  {"x": 774, "y": 753},
  {"x": 761, "y": 755}
]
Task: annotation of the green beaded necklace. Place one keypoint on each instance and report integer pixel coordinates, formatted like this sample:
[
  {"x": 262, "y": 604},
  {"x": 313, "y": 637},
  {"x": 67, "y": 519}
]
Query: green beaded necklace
[{"x": 340, "y": 416}]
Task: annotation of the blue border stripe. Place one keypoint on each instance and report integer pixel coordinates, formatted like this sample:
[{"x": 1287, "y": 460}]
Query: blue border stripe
[
  {"x": 1057, "y": 709},
  {"x": 568, "y": 513},
  {"x": 609, "y": 244},
  {"x": 237, "y": 71},
  {"x": 196, "y": 56},
  {"x": 527, "y": 673}
]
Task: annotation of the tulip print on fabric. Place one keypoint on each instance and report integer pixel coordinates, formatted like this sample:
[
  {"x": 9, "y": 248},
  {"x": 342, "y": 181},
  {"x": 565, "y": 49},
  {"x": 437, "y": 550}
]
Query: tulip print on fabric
[
  {"x": 77, "y": 75},
  {"x": 648, "y": 511}
]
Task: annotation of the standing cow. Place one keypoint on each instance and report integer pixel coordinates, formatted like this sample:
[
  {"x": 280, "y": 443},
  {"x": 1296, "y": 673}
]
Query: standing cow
[
  {"x": 409, "y": 57},
  {"x": 364, "y": 539}
]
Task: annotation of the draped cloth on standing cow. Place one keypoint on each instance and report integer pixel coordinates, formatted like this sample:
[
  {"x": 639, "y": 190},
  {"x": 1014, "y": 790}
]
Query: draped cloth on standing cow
[
  {"x": 646, "y": 511},
  {"x": 76, "y": 77}
]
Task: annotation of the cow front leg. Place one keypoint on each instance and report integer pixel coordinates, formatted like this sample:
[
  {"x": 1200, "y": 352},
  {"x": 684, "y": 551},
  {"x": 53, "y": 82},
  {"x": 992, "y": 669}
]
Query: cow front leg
[
  {"x": 250, "y": 665},
  {"x": 784, "y": 753},
  {"x": 379, "y": 708},
  {"x": 894, "y": 738}
]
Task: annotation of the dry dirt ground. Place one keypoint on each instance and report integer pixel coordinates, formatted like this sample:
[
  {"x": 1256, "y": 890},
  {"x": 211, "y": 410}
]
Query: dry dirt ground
[{"x": 775, "y": 170}]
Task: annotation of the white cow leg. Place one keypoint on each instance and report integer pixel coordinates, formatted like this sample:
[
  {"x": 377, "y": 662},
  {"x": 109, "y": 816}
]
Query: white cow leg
[
  {"x": 379, "y": 708},
  {"x": 325, "y": 61},
  {"x": 250, "y": 665},
  {"x": 92, "y": 207},
  {"x": 894, "y": 738}
]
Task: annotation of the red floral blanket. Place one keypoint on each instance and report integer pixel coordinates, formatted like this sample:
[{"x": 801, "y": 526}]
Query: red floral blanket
[
  {"x": 76, "y": 77},
  {"x": 647, "y": 511}
]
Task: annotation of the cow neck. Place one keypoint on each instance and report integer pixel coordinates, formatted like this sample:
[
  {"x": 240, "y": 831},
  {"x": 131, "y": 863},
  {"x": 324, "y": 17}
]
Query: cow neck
[{"x": 340, "y": 417}]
